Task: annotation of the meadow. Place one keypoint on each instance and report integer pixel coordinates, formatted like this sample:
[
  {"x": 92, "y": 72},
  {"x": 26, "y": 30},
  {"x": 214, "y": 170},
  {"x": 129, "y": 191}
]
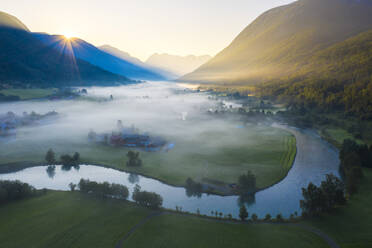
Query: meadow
[
  {"x": 270, "y": 157},
  {"x": 71, "y": 219},
  {"x": 28, "y": 94},
  {"x": 207, "y": 147}
]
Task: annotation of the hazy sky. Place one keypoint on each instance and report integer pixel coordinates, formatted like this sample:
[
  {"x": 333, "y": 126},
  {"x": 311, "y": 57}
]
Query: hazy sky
[{"x": 143, "y": 27}]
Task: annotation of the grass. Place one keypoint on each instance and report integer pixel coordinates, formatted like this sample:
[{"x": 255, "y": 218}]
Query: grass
[
  {"x": 28, "y": 94},
  {"x": 181, "y": 231},
  {"x": 351, "y": 226},
  {"x": 288, "y": 158},
  {"x": 66, "y": 219},
  {"x": 268, "y": 152},
  {"x": 336, "y": 135}
]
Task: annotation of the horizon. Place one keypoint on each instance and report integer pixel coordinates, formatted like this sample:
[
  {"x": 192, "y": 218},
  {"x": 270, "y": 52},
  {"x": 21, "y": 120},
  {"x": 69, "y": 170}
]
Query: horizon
[{"x": 200, "y": 35}]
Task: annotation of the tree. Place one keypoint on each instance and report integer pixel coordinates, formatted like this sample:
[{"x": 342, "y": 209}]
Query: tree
[
  {"x": 279, "y": 217},
  {"x": 334, "y": 192},
  {"x": 254, "y": 217},
  {"x": 76, "y": 157},
  {"x": 66, "y": 160},
  {"x": 147, "y": 199},
  {"x": 103, "y": 189},
  {"x": 324, "y": 198},
  {"x": 133, "y": 159},
  {"x": 267, "y": 217},
  {"x": 313, "y": 200},
  {"x": 72, "y": 186},
  {"x": 243, "y": 214},
  {"x": 50, "y": 157}
]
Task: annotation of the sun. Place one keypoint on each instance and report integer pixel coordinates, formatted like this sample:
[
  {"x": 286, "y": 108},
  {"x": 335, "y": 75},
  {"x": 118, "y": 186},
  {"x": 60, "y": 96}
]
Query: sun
[{"x": 68, "y": 35}]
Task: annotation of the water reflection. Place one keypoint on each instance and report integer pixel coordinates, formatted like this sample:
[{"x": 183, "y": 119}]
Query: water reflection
[
  {"x": 247, "y": 199},
  {"x": 51, "y": 171},
  {"x": 133, "y": 178}
]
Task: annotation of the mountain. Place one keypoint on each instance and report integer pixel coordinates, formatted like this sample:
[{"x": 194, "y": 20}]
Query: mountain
[
  {"x": 127, "y": 57},
  {"x": 26, "y": 61},
  {"x": 279, "y": 42},
  {"x": 178, "y": 65},
  {"x": 10, "y": 21},
  {"x": 86, "y": 51},
  {"x": 122, "y": 55}
]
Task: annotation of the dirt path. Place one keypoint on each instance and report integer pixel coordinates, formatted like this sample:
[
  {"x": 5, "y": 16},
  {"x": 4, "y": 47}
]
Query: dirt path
[{"x": 332, "y": 243}]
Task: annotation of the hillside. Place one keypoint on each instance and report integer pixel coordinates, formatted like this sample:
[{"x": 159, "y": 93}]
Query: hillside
[
  {"x": 339, "y": 77},
  {"x": 25, "y": 61},
  {"x": 10, "y": 21},
  {"x": 177, "y": 65},
  {"x": 280, "y": 41},
  {"x": 86, "y": 51}
]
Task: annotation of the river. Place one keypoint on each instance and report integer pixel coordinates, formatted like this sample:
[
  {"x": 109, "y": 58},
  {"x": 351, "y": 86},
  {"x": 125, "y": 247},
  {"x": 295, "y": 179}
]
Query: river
[{"x": 315, "y": 158}]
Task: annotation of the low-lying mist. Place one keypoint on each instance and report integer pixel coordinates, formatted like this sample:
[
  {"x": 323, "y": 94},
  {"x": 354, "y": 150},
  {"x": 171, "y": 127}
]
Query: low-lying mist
[{"x": 163, "y": 109}]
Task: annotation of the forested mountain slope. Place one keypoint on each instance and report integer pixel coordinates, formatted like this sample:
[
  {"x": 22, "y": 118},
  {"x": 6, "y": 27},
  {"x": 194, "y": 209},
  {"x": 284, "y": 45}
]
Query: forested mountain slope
[{"x": 280, "y": 41}]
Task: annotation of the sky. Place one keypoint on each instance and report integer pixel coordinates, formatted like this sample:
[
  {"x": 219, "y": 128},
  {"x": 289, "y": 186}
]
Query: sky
[{"x": 144, "y": 27}]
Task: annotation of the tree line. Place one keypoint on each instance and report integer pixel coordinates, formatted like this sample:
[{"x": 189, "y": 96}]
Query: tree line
[
  {"x": 65, "y": 159},
  {"x": 15, "y": 190},
  {"x": 103, "y": 189},
  {"x": 107, "y": 190}
]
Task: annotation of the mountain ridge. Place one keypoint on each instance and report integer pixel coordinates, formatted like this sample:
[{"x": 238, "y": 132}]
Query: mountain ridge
[
  {"x": 90, "y": 53},
  {"x": 27, "y": 62},
  {"x": 279, "y": 40}
]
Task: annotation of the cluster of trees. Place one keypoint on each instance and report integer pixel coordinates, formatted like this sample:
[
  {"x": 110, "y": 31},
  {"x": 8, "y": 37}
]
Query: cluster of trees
[
  {"x": 102, "y": 189},
  {"x": 147, "y": 199},
  {"x": 15, "y": 190},
  {"x": 322, "y": 199},
  {"x": 66, "y": 160},
  {"x": 133, "y": 159},
  {"x": 247, "y": 184},
  {"x": 353, "y": 157},
  {"x": 193, "y": 188}
]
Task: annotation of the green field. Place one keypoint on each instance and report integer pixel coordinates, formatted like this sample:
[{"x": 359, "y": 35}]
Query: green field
[
  {"x": 65, "y": 219},
  {"x": 27, "y": 94},
  {"x": 268, "y": 152},
  {"x": 351, "y": 226},
  {"x": 184, "y": 232}
]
